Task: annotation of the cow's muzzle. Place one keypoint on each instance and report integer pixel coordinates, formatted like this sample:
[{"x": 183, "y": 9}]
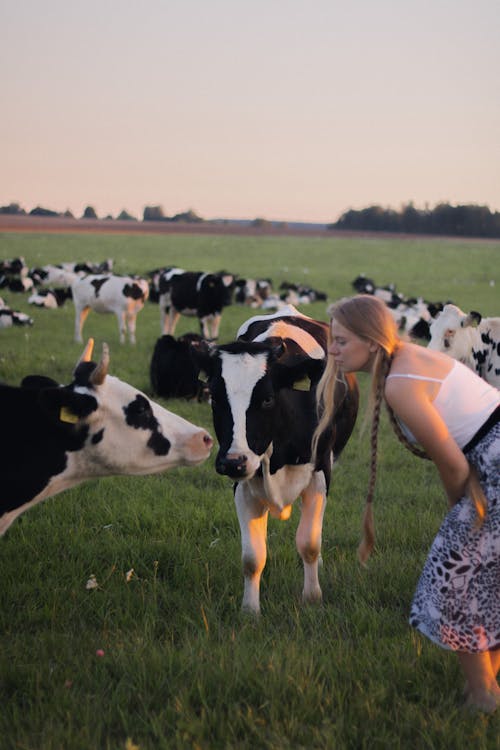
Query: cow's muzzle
[{"x": 232, "y": 466}]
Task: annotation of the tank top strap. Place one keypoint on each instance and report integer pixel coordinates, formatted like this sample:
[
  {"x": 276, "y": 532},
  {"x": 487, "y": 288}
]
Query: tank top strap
[{"x": 413, "y": 377}]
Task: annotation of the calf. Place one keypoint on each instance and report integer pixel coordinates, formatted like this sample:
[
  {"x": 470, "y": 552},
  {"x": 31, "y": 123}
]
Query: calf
[
  {"x": 173, "y": 370},
  {"x": 195, "y": 293},
  {"x": 470, "y": 338},
  {"x": 262, "y": 388},
  {"x": 122, "y": 295},
  {"x": 252, "y": 292},
  {"x": 61, "y": 436}
]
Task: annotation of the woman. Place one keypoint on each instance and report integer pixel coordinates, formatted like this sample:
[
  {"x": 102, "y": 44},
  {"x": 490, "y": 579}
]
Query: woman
[{"x": 454, "y": 416}]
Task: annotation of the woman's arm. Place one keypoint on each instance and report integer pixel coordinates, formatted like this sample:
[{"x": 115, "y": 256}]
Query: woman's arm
[{"x": 410, "y": 401}]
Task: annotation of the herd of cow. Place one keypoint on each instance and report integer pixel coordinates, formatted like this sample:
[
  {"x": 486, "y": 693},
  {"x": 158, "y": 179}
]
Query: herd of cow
[{"x": 261, "y": 388}]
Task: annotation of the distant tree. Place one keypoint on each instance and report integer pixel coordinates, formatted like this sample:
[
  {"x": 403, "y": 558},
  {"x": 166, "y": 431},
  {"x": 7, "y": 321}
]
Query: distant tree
[
  {"x": 153, "y": 213},
  {"x": 260, "y": 223},
  {"x": 188, "y": 216},
  {"x": 13, "y": 209},
  {"x": 39, "y": 211},
  {"x": 125, "y": 216},
  {"x": 68, "y": 214},
  {"x": 89, "y": 213}
]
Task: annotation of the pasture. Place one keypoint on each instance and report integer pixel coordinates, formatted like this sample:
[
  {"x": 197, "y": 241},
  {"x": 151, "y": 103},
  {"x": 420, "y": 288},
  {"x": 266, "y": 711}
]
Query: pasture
[{"x": 158, "y": 656}]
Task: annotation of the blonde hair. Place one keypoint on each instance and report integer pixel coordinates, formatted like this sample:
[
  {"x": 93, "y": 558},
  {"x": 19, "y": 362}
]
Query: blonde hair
[{"x": 370, "y": 319}]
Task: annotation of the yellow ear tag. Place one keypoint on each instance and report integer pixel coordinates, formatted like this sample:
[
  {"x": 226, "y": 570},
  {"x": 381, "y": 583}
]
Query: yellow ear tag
[
  {"x": 65, "y": 415},
  {"x": 304, "y": 384}
]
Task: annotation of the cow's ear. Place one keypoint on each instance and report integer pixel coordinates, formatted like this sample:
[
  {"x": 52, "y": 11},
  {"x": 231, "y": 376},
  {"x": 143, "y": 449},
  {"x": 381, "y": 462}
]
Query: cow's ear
[
  {"x": 66, "y": 406},
  {"x": 472, "y": 319},
  {"x": 277, "y": 347}
]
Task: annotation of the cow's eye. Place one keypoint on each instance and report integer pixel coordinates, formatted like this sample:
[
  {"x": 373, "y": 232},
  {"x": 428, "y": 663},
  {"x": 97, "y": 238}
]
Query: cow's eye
[{"x": 268, "y": 402}]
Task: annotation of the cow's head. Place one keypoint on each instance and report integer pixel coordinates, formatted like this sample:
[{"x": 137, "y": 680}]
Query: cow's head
[
  {"x": 450, "y": 331},
  {"x": 247, "y": 382},
  {"x": 115, "y": 427}
]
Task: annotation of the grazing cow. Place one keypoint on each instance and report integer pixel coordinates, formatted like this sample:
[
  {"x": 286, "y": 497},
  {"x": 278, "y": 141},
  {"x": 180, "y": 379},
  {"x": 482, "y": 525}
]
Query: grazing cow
[
  {"x": 195, "y": 293},
  {"x": 9, "y": 318},
  {"x": 61, "y": 436},
  {"x": 50, "y": 298},
  {"x": 174, "y": 370},
  {"x": 262, "y": 388},
  {"x": 122, "y": 295},
  {"x": 470, "y": 338}
]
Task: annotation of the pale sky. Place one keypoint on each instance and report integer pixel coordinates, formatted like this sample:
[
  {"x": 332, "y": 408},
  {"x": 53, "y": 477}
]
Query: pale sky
[{"x": 282, "y": 109}]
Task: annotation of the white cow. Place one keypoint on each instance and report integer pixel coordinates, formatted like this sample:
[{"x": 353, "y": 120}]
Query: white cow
[
  {"x": 122, "y": 295},
  {"x": 471, "y": 339}
]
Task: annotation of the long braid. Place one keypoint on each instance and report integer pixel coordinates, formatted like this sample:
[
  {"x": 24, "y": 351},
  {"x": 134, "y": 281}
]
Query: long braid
[
  {"x": 380, "y": 370},
  {"x": 402, "y": 437}
]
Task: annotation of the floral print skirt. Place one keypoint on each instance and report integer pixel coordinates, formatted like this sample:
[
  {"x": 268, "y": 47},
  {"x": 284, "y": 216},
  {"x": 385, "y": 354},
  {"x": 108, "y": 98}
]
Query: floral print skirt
[{"x": 457, "y": 600}]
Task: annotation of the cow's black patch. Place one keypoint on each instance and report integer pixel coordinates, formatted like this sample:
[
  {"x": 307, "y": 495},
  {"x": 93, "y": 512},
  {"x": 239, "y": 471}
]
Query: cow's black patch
[
  {"x": 97, "y": 437},
  {"x": 138, "y": 414},
  {"x": 133, "y": 291},
  {"x": 159, "y": 444},
  {"x": 97, "y": 284}
]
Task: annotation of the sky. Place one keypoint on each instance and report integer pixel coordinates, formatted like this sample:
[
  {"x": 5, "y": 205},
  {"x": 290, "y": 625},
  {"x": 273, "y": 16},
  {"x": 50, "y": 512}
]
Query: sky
[{"x": 289, "y": 110}]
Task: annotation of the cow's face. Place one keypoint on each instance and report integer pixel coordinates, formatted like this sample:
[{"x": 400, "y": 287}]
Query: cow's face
[
  {"x": 451, "y": 331},
  {"x": 116, "y": 429},
  {"x": 245, "y": 383}
]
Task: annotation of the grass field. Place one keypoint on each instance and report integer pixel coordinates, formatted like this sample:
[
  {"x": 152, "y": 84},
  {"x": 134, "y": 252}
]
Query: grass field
[{"x": 181, "y": 668}]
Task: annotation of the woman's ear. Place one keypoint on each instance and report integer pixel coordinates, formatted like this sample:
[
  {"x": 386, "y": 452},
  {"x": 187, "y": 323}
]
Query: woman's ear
[{"x": 373, "y": 347}]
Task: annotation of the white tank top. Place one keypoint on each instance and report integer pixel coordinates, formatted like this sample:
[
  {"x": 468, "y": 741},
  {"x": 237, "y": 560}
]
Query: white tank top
[{"x": 464, "y": 401}]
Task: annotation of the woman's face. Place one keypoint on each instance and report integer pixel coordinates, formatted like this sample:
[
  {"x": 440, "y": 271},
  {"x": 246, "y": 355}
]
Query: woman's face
[{"x": 351, "y": 353}]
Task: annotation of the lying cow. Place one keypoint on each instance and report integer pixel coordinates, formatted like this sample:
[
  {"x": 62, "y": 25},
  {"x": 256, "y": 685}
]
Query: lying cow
[
  {"x": 51, "y": 299},
  {"x": 61, "y": 436},
  {"x": 10, "y": 318},
  {"x": 470, "y": 338},
  {"x": 262, "y": 388},
  {"x": 195, "y": 293},
  {"x": 122, "y": 295}
]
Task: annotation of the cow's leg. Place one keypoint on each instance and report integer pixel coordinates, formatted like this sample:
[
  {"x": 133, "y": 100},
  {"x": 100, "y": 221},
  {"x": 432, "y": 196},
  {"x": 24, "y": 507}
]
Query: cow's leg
[
  {"x": 131, "y": 320},
  {"x": 171, "y": 321},
  {"x": 205, "y": 329},
  {"x": 216, "y": 318},
  {"x": 121, "y": 317},
  {"x": 308, "y": 537},
  {"x": 252, "y": 516},
  {"x": 80, "y": 318}
]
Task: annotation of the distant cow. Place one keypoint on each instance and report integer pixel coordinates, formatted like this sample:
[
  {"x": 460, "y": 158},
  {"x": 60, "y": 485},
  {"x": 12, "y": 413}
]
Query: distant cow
[
  {"x": 262, "y": 388},
  {"x": 122, "y": 295},
  {"x": 9, "y": 318},
  {"x": 53, "y": 276},
  {"x": 50, "y": 298},
  {"x": 173, "y": 368},
  {"x": 470, "y": 338},
  {"x": 195, "y": 293},
  {"x": 252, "y": 292},
  {"x": 61, "y": 436}
]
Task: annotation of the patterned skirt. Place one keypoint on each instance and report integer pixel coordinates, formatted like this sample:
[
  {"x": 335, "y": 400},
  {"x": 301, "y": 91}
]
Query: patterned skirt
[{"x": 457, "y": 600}]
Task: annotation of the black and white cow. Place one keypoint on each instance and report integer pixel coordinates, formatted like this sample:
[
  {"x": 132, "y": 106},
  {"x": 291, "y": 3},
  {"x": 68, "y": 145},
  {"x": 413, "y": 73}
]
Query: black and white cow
[
  {"x": 122, "y": 295},
  {"x": 262, "y": 388},
  {"x": 61, "y": 436},
  {"x": 10, "y": 318},
  {"x": 252, "y": 292},
  {"x": 195, "y": 293},
  {"x": 50, "y": 298},
  {"x": 174, "y": 370},
  {"x": 53, "y": 276},
  {"x": 470, "y": 338}
]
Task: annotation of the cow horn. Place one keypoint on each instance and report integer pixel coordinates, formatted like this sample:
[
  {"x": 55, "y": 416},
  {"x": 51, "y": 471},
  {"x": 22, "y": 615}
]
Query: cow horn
[
  {"x": 87, "y": 352},
  {"x": 100, "y": 372}
]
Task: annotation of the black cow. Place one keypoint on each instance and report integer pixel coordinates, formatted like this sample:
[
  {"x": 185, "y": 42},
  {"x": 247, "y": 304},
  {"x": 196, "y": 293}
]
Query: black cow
[
  {"x": 262, "y": 388},
  {"x": 60, "y": 436},
  {"x": 173, "y": 369},
  {"x": 194, "y": 293}
]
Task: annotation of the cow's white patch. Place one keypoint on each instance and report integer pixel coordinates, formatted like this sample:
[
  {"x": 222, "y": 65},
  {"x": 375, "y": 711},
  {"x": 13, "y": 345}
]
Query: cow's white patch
[
  {"x": 288, "y": 310},
  {"x": 239, "y": 391},
  {"x": 285, "y": 330}
]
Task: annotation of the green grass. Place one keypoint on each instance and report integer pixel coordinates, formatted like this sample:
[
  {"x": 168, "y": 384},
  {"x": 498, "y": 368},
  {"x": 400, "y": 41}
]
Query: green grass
[{"x": 182, "y": 668}]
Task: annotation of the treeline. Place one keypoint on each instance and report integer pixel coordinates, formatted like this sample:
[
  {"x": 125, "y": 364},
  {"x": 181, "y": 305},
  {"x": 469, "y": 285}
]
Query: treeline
[
  {"x": 466, "y": 221},
  {"x": 151, "y": 213}
]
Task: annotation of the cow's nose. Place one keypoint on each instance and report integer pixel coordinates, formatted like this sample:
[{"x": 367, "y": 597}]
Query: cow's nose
[{"x": 231, "y": 465}]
